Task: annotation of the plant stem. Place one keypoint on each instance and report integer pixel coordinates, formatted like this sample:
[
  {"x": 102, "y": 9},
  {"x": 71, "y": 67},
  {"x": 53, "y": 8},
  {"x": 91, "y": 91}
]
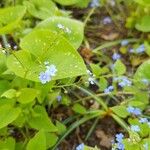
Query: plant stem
[{"x": 92, "y": 95}]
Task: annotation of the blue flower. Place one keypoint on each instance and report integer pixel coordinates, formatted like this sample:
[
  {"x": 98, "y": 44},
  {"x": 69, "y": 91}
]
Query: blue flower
[
  {"x": 80, "y": 147},
  {"x": 107, "y": 20},
  {"x": 135, "y": 128},
  {"x": 94, "y": 3},
  {"x": 123, "y": 81},
  {"x": 51, "y": 70},
  {"x": 134, "y": 111},
  {"x": 140, "y": 49},
  {"x": 120, "y": 146},
  {"x": 116, "y": 56},
  {"x": 143, "y": 120},
  {"x": 109, "y": 89},
  {"x": 59, "y": 98},
  {"x": 119, "y": 137},
  {"x": 44, "y": 77},
  {"x": 124, "y": 42}
]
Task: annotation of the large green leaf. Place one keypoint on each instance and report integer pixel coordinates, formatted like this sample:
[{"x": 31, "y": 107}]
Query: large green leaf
[
  {"x": 45, "y": 46},
  {"x": 143, "y": 24},
  {"x": 143, "y": 2},
  {"x": 8, "y": 144},
  {"x": 27, "y": 95},
  {"x": 2, "y": 62},
  {"x": 10, "y": 17},
  {"x": 67, "y": 2},
  {"x": 21, "y": 63},
  {"x": 143, "y": 72},
  {"x": 38, "y": 142},
  {"x": 76, "y": 28},
  {"x": 8, "y": 114},
  {"x": 41, "y": 8},
  {"x": 40, "y": 120}
]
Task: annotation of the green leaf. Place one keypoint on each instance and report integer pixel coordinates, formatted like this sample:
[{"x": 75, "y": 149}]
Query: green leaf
[
  {"x": 67, "y": 2},
  {"x": 37, "y": 142},
  {"x": 11, "y": 93},
  {"x": 143, "y": 71},
  {"x": 143, "y": 2},
  {"x": 119, "y": 67},
  {"x": 121, "y": 111},
  {"x": 103, "y": 84},
  {"x": 143, "y": 24},
  {"x": 8, "y": 144},
  {"x": 79, "y": 109},
  {"x": 26, "y": 67},
  {"x": 44, "y": 47},
  {"x": 2, "y": 62},
  {"x": 51, "y": 139},
  {"x": 40, "y": 120},
  {"x": 41, "y": 9},
  {"x": 61, "y": 127},
  {"x": 4, "y": 86},
  {"x": 76, "y": 28},
  {"x": 27, "y": 95},
  {"x": 10, "y": 18},
  {"x": 8, "y": 115}
]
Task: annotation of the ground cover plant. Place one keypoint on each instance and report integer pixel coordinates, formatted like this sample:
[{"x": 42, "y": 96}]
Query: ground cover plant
[{"x": 74, "y": 74}]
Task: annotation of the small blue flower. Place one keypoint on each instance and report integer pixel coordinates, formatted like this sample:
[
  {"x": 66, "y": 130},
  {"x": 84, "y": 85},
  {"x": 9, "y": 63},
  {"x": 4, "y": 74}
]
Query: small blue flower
[
  {"x": 134, "y": 111},
  {"x": 143, "y": 120},
  {"x": 51, "y": 70},
  {"x": 120, "y": 146},
  {"x": 124, "y": 82},
  {"x": 116, "y": 56},
  {"x": 140, "y": 49},
  {"x": 124, "y": 42},
  {"x": 119, "y": 137},
  {"x": 94, "y": 3},
  {"x": 135, "y": 128},
  {"x": 80, "y": 147},
  {"x": 59, "y": 98},
  {"x": 109, "y": 89},
  {"x": 44, "y": 77},
  {"x": 107, "y": 20}
]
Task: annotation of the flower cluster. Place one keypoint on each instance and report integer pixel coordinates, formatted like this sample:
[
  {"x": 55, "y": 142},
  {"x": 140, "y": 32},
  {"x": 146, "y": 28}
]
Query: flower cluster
[
  {"x": 139, "y": 49},
  {"x": 134, "y": 111},
  {"x": 119, "y": 145},
  {"x": 46, "y": 76},
  {"x": 62, "y": 27},
  {"x": 116, "y": 56},
  {"x": 80, "y": 147},
  {"x": 135, "y": 128},
  {"x": 109, "y": 89},
  {"x": 123, "y": 81}
]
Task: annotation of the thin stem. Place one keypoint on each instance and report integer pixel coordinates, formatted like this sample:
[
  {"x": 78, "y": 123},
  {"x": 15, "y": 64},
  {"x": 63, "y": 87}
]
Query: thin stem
[
  {"x": 89, "y": 15},
  {"x": 92, "y": 95},
  {"x": 109, "y": 44}
]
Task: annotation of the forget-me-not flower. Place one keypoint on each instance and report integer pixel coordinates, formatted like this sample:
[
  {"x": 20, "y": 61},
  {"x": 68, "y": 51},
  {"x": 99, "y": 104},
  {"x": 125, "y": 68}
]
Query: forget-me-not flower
[
  {"x": 143, "y": 120},
  {"x": 44, "y": 77},
  {"x": 95, "y": 3},
  {"x": 116, "y": 56},
  {"x": 119, "y": 137},
  {"x": 124, "y": 42},
  {"x": 135, "y": 128},
  {"x": 59, "y": 98},
  {"x": 51, "y": 70},
  {"x": 134, "y": 111},
  {"x": 120, "y": 146},
  {"x": 109, "y": 89},
  {"x": 124, "y": 81},
  {"x": 80, "y": 147},
  {"x": 140, "y": 49},
  {"x": 107, "y": 20}
]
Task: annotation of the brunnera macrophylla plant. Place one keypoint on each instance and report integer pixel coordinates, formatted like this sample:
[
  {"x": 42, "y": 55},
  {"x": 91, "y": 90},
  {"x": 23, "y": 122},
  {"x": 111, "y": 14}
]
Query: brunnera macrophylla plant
[{"x": 45, "y": 62}]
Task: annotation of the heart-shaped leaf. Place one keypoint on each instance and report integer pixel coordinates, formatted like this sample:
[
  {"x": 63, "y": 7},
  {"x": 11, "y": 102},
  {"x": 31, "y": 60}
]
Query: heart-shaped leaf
[{"x": 71, "y": 29}]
